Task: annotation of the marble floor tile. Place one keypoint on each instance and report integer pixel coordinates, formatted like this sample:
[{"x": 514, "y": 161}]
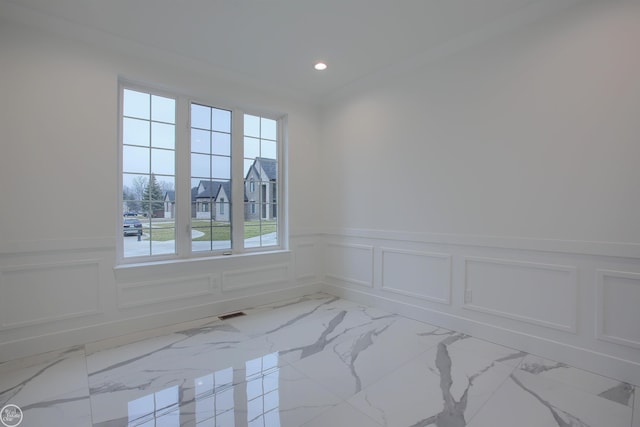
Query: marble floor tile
[
  {"x": 298, "y": 399},
  {"x": 531, "y": 399},
  {"x": 366, "y": 352},
  {"x": 342, "y": 415},
  {"x": 581, "y": 380},
  {"x": 121, "y": 375},
  {"x": 636, "y": 408},
  {"x": 260, "y": 394},
  {"x": 444, "y": 386},
  {"x": 49, "y": 389},
  {"x": 122, "y": 340},
  {"x": 274, "y": 318},
  {"x": 313, "y": 361}
]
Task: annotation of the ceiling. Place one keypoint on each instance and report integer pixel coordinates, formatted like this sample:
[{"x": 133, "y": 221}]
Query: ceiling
[{"x": 276, "y": 42}]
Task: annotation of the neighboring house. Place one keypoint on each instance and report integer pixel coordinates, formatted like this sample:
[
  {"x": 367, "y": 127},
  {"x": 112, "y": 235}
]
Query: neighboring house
[
  {"x": 170, "y": 204},
  {"x": 260, "y": 190},
  {"x": 203, "y": 199},
  {"x": 212, "y": 199},
  {"x": 223, "y": 202}
]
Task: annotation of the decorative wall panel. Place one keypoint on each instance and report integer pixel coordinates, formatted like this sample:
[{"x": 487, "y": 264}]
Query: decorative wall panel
[
  {"x": 542, "y": 294},
  {"x": 418, "y": 274},
  {"x": 255, "y": 277},
  {"x": 157, "y": 291},
  {"x": 350, "y": 263},
  {"x": 619, "y": 307},
  {"x": 43, "y": 293}
]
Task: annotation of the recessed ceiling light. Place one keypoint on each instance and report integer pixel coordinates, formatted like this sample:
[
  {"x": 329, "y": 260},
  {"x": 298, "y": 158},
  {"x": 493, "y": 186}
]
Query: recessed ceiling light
[{"x": 320, "y": 66}]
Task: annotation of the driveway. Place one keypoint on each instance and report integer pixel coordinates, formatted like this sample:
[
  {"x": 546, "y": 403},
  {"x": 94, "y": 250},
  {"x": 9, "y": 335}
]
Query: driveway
[{"x": 133, "y": 247}]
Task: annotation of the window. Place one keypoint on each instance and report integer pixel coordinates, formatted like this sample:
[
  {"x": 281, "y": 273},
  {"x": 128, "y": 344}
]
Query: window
[
  {"x": 148, "y": 169},
  {"x": 210, "y": 176},
  {"x": 261, "y": 165},
  {"x": 183, "y": 185}
]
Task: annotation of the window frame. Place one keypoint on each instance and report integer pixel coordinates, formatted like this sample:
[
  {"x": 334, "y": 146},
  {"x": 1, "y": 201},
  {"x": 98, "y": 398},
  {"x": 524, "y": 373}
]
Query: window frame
[{"x": 182, "y": 188}]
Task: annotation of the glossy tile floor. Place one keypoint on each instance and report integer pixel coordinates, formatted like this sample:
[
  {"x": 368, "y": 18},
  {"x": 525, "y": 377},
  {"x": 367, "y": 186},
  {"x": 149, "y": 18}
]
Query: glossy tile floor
[{"x": 313, "y": 361}]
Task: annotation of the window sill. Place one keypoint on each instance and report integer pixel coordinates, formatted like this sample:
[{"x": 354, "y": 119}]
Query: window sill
[{"x": 196, "y": 260}]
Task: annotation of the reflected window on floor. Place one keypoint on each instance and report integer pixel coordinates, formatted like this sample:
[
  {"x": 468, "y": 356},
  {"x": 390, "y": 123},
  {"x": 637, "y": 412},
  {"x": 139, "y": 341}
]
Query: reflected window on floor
[
  {"x": 214, "y": 399},
  {"x": 263, "y": 398},
  {"x": 156, "y": 409}
]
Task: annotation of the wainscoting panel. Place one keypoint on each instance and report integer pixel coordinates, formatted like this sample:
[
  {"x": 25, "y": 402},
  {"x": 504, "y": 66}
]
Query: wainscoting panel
[
  {"x": 45, "y": 293},
  {"x": 417, "y": 274},
  {"x": 350, "y": 263},
  {"x": 153, "y": 292},
  {"x": 619, "y": 307},
  {"x": 234, "y": 280},
  {"x": 541, "y": 294}
]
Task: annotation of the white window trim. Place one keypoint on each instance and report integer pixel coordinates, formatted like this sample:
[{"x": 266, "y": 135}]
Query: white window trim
[{"x": 182, "y": 214}]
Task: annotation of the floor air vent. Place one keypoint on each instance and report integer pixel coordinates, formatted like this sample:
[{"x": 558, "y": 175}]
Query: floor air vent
[{"x": 231, "y": 315}]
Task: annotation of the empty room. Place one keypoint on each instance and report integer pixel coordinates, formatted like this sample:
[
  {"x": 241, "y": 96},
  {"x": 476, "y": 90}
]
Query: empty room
[{"x": 338, "y": 213}]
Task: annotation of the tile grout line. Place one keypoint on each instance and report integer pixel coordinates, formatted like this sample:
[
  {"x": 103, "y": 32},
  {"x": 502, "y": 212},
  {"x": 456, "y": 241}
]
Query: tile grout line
[
  {"x": 86, "y": 371},
  {"x": 502, "y": 384}
]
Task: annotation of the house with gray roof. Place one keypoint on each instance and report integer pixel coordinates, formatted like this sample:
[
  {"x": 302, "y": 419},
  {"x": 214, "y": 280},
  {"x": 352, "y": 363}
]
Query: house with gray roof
[
  {"x": 223, "y": 202},
  {"x": 212, "y": 199},
  {"x": 261, "y": 190},
  {"x": 204, "y": 199},
  {"x": 169, "y": 204}
]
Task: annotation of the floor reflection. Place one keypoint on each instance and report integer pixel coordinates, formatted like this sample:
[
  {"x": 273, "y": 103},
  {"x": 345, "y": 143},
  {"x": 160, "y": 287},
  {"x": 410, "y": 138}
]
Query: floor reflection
[
  {"x": 215, "y": 394},
  {"x": 157, "y": 409},
  {"x": 263, "y": 399},
  {"x": 214, "y": 399}
]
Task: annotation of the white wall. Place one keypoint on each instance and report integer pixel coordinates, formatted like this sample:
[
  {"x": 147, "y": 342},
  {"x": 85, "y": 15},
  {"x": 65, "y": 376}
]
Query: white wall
[
  {"x": 533, "y": 135},
  {"x": 59, "y": 284},
  {"x": 496, "y": 190}
]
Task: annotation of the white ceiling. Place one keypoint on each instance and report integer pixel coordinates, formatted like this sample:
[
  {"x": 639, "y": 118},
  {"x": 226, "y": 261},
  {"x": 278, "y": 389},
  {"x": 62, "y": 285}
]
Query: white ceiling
[{"x": 276, "y": 42}]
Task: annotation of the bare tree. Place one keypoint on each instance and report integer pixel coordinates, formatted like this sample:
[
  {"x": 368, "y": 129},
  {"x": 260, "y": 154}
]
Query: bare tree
[
  {"x": 139, "y": 184},
  {"x": 165, "y": 186}
]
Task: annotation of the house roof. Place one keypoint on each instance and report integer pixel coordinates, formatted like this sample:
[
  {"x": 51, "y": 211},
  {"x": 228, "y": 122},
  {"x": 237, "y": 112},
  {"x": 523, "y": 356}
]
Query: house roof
[
  {"x": 269, "y": 166},
  {"x": 211, "y": 190},
  {"x": 226, "y": 187},
  {"x": 170, "y": 196}
]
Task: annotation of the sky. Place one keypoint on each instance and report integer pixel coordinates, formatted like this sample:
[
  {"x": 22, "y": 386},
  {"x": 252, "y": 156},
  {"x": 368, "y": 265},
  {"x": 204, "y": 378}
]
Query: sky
[{"x": 148, "y": 135}]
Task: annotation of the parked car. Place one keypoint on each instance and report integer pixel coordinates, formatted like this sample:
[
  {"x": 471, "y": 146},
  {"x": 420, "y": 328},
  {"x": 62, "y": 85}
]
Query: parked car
[
  {"x": 132, "y": 227},
  {"x": 131, "y": 213}
]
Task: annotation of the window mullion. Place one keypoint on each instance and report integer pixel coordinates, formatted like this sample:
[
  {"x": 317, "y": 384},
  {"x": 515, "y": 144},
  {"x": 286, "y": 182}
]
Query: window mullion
[
  {"x": 183, "y": 190},
  {"x": 237, "y": 182},
  {"x": 282, "y": 196}
]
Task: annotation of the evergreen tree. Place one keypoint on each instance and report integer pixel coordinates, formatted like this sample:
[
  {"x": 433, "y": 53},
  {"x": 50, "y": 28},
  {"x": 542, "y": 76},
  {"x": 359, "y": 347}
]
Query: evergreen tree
[{"x": 152, "y": 196}]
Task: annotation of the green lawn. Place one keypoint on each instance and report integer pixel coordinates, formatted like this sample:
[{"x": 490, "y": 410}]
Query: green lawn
[{"x": 220, "y": 230}]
